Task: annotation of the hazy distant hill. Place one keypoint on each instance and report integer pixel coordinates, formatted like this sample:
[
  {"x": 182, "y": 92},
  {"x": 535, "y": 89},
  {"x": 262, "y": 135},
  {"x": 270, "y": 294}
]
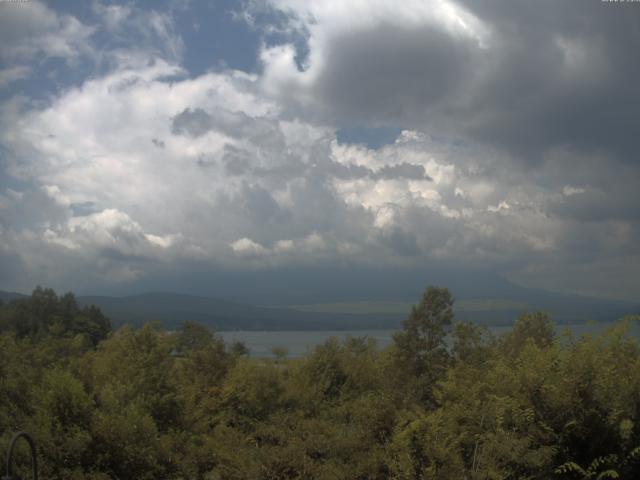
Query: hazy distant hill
[
  {"x": 6, "y": 297},
  {"x": 172, "y": 309}
]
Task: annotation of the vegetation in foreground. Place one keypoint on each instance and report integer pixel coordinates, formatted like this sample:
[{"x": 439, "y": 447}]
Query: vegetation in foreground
[{"x": 148, "y": 404}]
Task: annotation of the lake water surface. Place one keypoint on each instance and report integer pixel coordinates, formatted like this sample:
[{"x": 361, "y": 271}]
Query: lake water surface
[{"x": 300, "y": 342}]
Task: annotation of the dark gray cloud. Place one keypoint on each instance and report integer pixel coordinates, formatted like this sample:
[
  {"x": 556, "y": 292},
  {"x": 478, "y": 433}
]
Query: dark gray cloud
[
  {"x": 562, "y": 74},
  {"x": 382, "y": 73},
  {"x": 236, "y": 160},
  {"x": 372, "y": 137},
  {"x": 259, "y": 206},
  {"x": 542, "y": 74},
  {"x": 13, "y": 271},
  {"x": 403, "y": 170},
  {"x": 402, "y": 242},
  {"x": 28, "y": 207},
  {"x": 595, "y": 205},
  {"x": 195, "y": 122},
  {"x": 158, "y": 143}
]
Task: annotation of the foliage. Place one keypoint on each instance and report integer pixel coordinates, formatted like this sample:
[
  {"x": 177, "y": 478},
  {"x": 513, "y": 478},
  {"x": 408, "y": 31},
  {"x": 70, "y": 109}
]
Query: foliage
[
  {"x": 445, "y": 401},
  {"x": 421, "y": 349},
  {"x": 44, "y": 314}
]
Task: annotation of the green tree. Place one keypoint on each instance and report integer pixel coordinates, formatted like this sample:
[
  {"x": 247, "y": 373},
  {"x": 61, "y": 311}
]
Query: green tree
[
  {"x": 471, "y": 344},
  {"x": 192, "y": 336},
  {"x": 250, "y": 393},
  {"x": 44, "y": 314},
  {"x": 280, "y": 353},
  {"x": 534, "y": 327},
  {"x": 239, "y": 349},
  {"x": 420, "y": 347}
]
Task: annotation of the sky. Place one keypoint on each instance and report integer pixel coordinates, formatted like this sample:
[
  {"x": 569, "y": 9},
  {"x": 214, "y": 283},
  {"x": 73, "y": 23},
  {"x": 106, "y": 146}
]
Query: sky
[{"x": 186, "y": 146}]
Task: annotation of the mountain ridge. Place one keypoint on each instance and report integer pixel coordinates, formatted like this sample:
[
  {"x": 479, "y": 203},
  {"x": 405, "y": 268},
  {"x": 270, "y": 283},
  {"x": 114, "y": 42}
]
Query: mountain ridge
[{"x": 172, "y": 308}]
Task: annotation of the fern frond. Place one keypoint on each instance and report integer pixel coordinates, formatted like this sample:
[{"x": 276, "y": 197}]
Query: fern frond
[
  {"x": 608, "y": 474},
  {"x": 570, "y": 467}
]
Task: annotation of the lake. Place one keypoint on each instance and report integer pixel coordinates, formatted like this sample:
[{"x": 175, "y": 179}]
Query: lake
[{"x": 300, "y": 342}]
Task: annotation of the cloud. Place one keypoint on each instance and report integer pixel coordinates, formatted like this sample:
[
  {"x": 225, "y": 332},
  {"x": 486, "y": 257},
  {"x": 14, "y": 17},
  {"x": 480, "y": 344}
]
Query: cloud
[
  {"x": 109, "y": 230},
  {"x": 13, "y": 74},
  {"x": 283, "y": 249},
  {"x": 34, "y": 37},
  {"x": 31, "y": 30},
  {"x": 245, "y": 247},
  {"x": 141, "y": 169},
  {"x": 521, "y": 78},
  {"x": 237, "y": 183},
  {"x": 401, "y": 242},
  {"x": 568, "y": 190},
  {"x": 133, "y": 31},
  {"x": 393, "y": 64},
  {"x": 195, "y": 123}
]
